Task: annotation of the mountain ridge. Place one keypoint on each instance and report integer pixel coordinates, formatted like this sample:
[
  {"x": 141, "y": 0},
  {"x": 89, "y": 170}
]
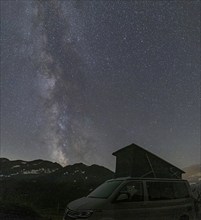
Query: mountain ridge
[
  {"x": 48, "y": 170},
  {"x": 38, "y": 167}
]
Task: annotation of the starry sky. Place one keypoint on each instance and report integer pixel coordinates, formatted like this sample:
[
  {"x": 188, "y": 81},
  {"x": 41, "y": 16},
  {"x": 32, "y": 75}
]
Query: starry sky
[{"x": 81, "y": 79}]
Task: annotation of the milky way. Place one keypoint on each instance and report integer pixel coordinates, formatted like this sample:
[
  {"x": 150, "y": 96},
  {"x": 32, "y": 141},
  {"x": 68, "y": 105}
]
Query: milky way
[{"x": 81, "y": 79}]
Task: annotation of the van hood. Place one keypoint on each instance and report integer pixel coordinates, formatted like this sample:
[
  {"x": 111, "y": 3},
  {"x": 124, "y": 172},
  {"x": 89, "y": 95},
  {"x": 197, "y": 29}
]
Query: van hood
[{"x": 86, "y": 203}]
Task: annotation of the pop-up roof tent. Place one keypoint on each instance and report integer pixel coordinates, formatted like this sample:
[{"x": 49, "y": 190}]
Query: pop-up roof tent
[{"x": 134, "y": 161}]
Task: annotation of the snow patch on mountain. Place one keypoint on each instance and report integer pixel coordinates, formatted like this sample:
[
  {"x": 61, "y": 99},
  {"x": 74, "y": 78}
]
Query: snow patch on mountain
[{"x": 16, "y": 166}]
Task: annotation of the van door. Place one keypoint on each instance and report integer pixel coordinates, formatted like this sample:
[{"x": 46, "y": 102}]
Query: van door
[
  {"x": 170, "y": 210},
  {"x": 159, "y": 200},
  {"x": 129, "y": 204},
  {"x": 167, "y": 200}
]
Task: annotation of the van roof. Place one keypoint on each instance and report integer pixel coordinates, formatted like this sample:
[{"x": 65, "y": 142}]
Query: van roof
[{"x": 138, "y": 152}]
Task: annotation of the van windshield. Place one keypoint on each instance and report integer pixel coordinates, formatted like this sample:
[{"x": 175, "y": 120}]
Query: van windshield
[{"x": 105, "y": 190}]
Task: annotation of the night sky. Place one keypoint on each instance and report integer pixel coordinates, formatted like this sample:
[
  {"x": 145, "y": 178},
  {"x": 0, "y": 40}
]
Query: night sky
[{"x": 81, "y": 79}]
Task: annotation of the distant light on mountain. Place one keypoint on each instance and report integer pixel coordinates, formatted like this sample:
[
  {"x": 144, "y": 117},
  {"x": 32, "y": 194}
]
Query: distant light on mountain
[{"x": 193, "y": 173}]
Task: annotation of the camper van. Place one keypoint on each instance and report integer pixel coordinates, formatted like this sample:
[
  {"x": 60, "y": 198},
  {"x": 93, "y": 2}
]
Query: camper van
[{"x": 134, "y": 198}]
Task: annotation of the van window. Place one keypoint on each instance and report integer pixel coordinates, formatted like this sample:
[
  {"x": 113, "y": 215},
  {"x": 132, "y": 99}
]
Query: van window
[
  {"x": 134, "y": 190},
  {"x": 105, "y": 190},
  {"x": 166, "y": 190},
  {"x": 181, "y": 190}
]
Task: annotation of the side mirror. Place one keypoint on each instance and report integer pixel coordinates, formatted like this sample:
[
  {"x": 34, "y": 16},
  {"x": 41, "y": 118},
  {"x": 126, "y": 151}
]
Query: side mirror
[{"x": 122, "y": 197}]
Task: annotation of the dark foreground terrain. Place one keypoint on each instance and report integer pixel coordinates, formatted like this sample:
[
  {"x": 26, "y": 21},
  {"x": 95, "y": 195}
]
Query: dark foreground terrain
[
  {"x": 16, "y": 211},
  {"x": 40, "y": 190}
]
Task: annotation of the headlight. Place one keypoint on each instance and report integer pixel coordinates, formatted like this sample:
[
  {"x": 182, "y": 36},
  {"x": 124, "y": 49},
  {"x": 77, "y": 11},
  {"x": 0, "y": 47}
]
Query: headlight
[{"x": 78, "y": 214}]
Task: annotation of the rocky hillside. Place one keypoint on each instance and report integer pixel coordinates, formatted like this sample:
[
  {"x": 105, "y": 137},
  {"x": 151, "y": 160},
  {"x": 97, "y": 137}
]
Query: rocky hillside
[
  {"x": 44, "y": 185},
  {"x": 10, "y": 168},
  {"x": 50, "y": 171},
  {"x": 82, "y": 173}
]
